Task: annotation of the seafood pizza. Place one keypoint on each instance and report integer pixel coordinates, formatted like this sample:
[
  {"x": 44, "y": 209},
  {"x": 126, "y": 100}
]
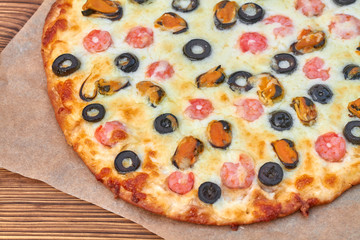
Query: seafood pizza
[{"x": 211, "y": 112}]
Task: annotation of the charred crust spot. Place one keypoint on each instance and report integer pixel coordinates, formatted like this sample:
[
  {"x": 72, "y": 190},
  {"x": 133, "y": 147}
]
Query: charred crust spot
[
  {"x": 193, "y": 215},
  {"x": 306, "y": 205},
  {"x": 64, "y": 89},
  {"x": 303, "y": 181},
  {"x": 59, "y": 25},
  {"x": 135, "y": 185},
  {"x": 114, "y": 186},
  {"x": 103, "y": 173}
]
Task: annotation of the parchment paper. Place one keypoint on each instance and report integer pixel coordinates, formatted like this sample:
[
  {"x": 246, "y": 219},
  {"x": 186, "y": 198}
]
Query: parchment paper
[{"x": 32, "y": 144}]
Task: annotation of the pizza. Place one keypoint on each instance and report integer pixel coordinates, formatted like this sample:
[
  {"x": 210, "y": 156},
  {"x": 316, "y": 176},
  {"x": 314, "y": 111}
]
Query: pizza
[{"x": 211, "y": 112}]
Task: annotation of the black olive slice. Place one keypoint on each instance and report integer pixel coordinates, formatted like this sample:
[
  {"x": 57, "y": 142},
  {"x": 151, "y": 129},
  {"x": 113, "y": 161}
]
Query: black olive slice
[
  {"x": 270, "y": 174},
  {"x": 225, "y": 14},
  {"x": 344, "y": 2},
  {"x": 352, "y": 72},
  {"x": 250, "y": 13},
  {"x": 348, "y": 132},
  {"x": 185, "y": 5},
  {"x": 284, "y": 63},
  {"x": 65, "y": 64},
  {"x": 166, "y": 123},
  {"x": 83, "y": 96},
  {"x": 321, "y": 93},
  {"x": 126, "y": 161},
  {"x": 127, "y": 62},
  {"x": 239, "y": 81},
  {"x": 93, "y": 112},
  {"x": 281, "y": 120},
  {"x": 197, "y": 49},
  {"x": 286, "y": 152},
  {"x": 209, "y": 192}
]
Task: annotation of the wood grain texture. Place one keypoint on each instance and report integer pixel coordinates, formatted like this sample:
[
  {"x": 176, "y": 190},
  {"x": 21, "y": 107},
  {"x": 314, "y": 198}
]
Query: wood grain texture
[{"x": 30, "y": 209}]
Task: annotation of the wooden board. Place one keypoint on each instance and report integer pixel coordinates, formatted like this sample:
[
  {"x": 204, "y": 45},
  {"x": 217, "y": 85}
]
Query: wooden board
[{"x": 30, "y": 209}]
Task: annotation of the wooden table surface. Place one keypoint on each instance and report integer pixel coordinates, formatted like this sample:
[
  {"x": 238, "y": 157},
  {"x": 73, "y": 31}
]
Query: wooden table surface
[{"x": 30, "y": 209}]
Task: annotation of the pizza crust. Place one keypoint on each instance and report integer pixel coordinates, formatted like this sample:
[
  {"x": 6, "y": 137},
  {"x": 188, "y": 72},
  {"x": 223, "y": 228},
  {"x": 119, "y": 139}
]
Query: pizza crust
[{"x": 314, "y": 182}]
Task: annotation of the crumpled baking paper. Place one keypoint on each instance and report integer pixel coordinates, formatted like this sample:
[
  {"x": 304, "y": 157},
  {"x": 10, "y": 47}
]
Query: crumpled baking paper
[{"x": 32, "y": 144}]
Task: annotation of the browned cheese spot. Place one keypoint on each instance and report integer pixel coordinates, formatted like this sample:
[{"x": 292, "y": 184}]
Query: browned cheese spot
[{"x": 303, "y": 181}]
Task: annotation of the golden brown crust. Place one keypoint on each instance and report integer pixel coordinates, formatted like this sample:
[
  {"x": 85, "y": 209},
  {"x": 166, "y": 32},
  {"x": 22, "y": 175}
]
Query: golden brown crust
[{"x": 294, "y": 195}]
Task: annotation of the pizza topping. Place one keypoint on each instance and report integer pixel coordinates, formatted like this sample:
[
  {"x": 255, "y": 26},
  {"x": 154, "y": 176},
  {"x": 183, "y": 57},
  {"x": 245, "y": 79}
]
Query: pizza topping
[
  {"x": 166, "y": 123},
  {"x": 97, "y": 41},
  {"x": 171, "y": 22},
  {"x": 250, "y": 13},
  {"x": 154, "y": 93},
  {"x": 238, "y": 175},
  {"x": 185, "y": 5},
  {"x": 197, "y": 49},
  {"x": 160, "y": 70},
  {"x": 249, "y": 109},
  {"x": 187, "y": 152},
  {"x": 331, "y": 147},
  {"x": 286, "y": 152},
  {"x": 106, "y": 88},
  {"x": 253, "y": 42},
  {"x": 211, "y": 78},
  {"x": 93, "y": 112},
  {"x": 83, "y": 95},
  {"x": 351, "y": 132},
  {"x": 345, "y": 26},
  {"x": 310, "y": 8},
  {"x": 219, "y": 134},
  {"x": 127, "y": 62},
  {"x": 281, "y": 120},
  {"x": 270, "y": 89},
  {"x": 140, "y": 37},
  {"x": 286, "y": 25},
  {"x": 181, "y": 183},
  {"x": 225, "y": 14},
  {"x": 283, "y": 63},
  {"x": 308, "y": 41},
  {"x": 354, "y": 107},
  {"x": 239, "y": 81},
  {"x": 110, "y": 133},
  {"x": 65, "y": 65},
  {"x": 344, "y": 2},
  {"x": 199, "y": 109},
  {"x": 270, "y": 174},
  {"x": 127, "y": 161},
  {"x": 352, "y": 72},
  {"x": 313, "y": 69},
  {"x": 209, "y": 192},
  {"x": 103, "y": 8},
  {"x": 305, "y": 110},
  {"x": 321, "y": 93}
]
